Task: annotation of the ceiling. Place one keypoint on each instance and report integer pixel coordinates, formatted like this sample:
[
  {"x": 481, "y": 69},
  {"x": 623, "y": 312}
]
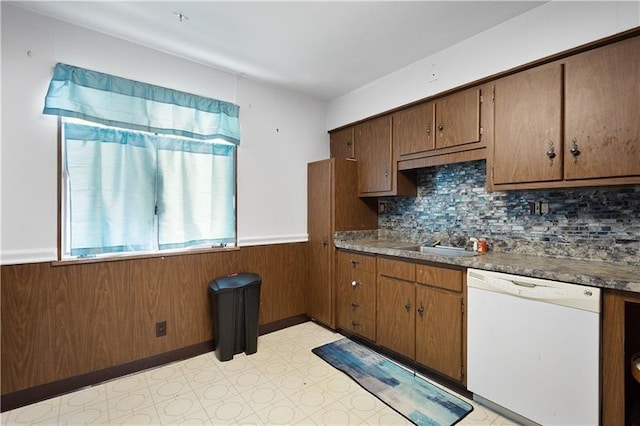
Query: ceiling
[{"x": 322, "y": 49}]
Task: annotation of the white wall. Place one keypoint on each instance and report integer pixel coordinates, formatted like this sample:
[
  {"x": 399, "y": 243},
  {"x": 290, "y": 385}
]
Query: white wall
[
  {"x": 271, "y": 164},
  {"x": 543, "y": 31}
]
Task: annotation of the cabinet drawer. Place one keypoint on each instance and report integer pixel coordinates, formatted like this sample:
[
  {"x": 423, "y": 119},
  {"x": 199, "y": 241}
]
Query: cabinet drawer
[
  {"x": 356, "y": 262},
  {"x": 448, "y": 279},
  {"x": 358, "y": 290},
  {"x": 396, "y": 269},
  {"x": 359, "y": 324}
]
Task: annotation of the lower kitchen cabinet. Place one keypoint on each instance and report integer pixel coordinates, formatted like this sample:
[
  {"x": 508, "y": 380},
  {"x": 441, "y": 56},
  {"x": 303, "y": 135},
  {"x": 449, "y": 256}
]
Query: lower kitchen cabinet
[
  {"x": 396, "y": 315},
  {"x": 439, "y": 330},
  {"x": 420, "y": 314},
  {"x": 620, "y": 342},
  {"x": 356, "y": 285}
]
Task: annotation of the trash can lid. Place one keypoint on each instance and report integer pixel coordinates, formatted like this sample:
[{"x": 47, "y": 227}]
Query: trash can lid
[{"x": 234, "y": 281}]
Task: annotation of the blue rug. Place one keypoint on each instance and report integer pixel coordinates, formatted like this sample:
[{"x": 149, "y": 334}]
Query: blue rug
[{"x": 416, "y": 399}]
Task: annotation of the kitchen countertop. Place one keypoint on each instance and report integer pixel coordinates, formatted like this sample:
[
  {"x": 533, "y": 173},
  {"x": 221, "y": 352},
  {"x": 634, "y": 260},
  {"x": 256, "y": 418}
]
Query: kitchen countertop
[{"x": 591, "y": 273}]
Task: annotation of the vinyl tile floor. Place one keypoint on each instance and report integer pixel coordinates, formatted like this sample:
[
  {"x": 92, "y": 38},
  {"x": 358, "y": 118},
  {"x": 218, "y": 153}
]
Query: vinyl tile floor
[{"x": 283, "y": 383}]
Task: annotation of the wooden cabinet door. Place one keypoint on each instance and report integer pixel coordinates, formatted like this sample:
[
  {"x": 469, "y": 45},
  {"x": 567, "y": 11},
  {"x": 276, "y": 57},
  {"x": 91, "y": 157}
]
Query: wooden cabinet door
[
  {"x": 374, "y": 155},
  {"x": 413, "y": 129},
  {"x": 320, "y": 291},
  {"x": 342, "y": 144},
  {"x": 527, "y": 134},
  {"x": 439, "y": 330},
  {"x": 602, "y": 123},
  {"x": 396, "y": 315},
  {"x": 458, "y": 119}
]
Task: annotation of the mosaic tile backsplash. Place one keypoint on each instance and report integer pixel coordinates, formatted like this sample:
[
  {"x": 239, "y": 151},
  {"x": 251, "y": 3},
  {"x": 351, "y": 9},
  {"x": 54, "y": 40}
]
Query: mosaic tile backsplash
[{"x": 453, "y": 205}]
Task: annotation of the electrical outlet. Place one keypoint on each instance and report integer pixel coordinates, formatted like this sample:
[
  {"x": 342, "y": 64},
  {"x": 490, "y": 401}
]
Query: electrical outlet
[
  {"x": 544, "y": 207},
  {"x": 383, "y": 206},
  {"x": 161, "y": 329}
]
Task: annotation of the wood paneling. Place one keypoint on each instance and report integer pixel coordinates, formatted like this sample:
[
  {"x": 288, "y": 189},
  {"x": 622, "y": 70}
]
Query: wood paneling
[
  {"x": 28, "y": 326},
  {"x": 64, "y": 321},
  {"x": 283, "y": 269}
]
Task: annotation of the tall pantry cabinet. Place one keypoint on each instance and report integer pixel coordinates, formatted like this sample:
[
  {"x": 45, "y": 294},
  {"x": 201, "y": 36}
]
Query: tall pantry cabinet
[{"x": 333, "y": 205}]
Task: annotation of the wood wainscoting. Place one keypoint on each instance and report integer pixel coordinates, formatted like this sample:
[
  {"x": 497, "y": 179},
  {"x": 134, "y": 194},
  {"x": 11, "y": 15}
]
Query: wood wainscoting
[{"x": 64, "y": 321}]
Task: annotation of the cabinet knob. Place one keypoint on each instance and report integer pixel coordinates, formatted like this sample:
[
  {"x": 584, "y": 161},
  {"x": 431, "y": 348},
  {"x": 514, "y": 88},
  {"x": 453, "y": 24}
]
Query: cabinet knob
[
  {"x": 354, "y": 262},
  {"x": 355, "y": 323},
  {"x": 551, "y": 153},
  {"x": 354, "y": 283},
  {"x": 325, "y": 242},
  {"x": 355, "y": 305},
  {"x": 441, "y": 127},
  {"x": 407, "y": 306},
  {"x": 421, "y": 310},
  {"x": 429, "y": 131},
  {"x": 574, "y": 148}
]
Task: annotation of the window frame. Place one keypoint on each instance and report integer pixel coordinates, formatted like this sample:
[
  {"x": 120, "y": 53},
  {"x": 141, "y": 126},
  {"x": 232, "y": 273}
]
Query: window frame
[{"x": 107, "y": 257}]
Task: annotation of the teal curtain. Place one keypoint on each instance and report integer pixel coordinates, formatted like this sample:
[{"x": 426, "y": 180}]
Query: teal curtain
[
  {"x": 111, "y": 188},
  {"x": 120, "y": 180},
  {"x": 119, "y": 102},
  {"x": 205, "y": 214}
]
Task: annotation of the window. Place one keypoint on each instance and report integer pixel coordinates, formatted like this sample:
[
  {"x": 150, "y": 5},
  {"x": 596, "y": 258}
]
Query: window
[
  {"x": 126, "y": 191},
  {"x": 144, "y": 168}
]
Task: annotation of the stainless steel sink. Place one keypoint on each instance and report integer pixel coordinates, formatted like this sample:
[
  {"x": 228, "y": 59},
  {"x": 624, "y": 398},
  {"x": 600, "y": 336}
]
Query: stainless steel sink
[{"x": 440, "y": 250}]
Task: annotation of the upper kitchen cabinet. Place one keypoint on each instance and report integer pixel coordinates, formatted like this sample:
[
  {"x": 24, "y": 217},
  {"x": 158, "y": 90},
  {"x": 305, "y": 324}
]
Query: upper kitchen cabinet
[
  {"x": 342, "y": 144},
  {"x": 377, "y": 165},
  {"x": 446, "y": 130},
  {"x": 414, "y": 129},
  {"x": 569, "y": 123},
  {"x": 602, "y": 104},
  {"x": 458, "y": 119},
  {"x": 528, "y": 108}
]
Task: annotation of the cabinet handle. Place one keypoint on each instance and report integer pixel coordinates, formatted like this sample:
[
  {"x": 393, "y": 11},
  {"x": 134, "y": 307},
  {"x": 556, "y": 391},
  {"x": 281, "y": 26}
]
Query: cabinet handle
[
  {"x": 429, "y": 131},
  {"x": 354, "y": 305},
  {"x": 386, "y": 173},
  {"x": 354, "y": 283},
  {"x": 354, "y": 262},
  {"x": 407, "y": 306},
  {"x": 551, "y": 153},
  {"x": 441, "y": 127},
  {"x": 355, "y": 323},
  {"x": 349, "y": 143},
  {"x": 325, "y": 242},
  {"x": 574, "y": 148},
  {"x": 421, "y": 310}
]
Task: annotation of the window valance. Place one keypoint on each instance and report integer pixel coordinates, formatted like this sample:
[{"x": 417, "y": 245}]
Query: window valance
[{"x": 119, "y": 102}]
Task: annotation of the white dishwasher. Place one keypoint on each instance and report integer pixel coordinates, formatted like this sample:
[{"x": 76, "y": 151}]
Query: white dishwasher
[{"x": 533, "y": 347}]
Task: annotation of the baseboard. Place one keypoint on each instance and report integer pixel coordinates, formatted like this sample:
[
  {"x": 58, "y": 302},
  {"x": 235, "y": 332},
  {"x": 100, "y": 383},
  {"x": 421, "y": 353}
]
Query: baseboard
[
  {"x": 283, "y": 323},
  {"x": 39, "y": 393}
]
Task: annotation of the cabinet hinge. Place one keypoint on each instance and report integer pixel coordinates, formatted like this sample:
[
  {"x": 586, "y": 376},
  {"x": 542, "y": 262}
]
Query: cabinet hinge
[
  {"x": 462, "y": 307},
  {"x": 481, "y": 98},
  {"x": 493, "y": 94},
  {"x": 481, "y": 130},
  {"x": 155, "y": 210}
]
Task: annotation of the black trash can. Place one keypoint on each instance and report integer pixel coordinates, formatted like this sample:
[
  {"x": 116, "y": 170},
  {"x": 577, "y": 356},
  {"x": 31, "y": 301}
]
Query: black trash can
[{"x": 235, "y": 303}]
